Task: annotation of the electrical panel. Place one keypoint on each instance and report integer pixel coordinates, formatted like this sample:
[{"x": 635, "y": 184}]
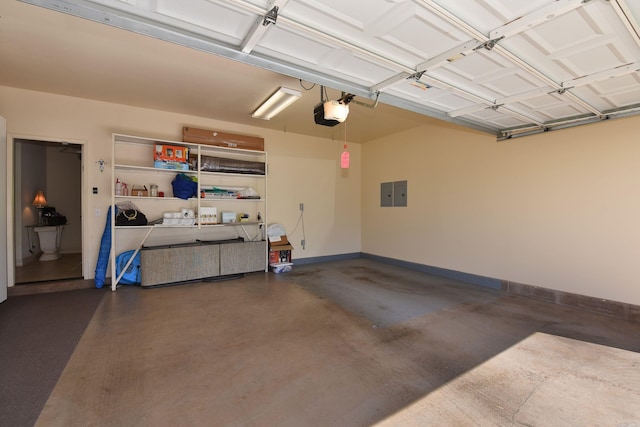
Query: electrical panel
[
  {"x": 386, "y": 194},
  {"x": 400, "y": 193},
  {"x": 393, "y": 194}
]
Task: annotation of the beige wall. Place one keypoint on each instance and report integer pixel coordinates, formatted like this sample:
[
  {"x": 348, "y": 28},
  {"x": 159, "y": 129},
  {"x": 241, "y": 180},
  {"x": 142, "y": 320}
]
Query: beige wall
[
  {"x": 301, "y": 169},
  {"x": 558, "y": 210}
]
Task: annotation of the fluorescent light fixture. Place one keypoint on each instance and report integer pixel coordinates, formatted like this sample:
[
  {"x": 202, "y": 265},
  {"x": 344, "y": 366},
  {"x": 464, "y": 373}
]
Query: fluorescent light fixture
[{"x": 277, "y": 102}]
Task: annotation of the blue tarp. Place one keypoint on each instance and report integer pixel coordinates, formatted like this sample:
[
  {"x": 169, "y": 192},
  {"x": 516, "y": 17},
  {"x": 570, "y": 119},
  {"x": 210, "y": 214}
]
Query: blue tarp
[
  {"x": 105, "y": 252},
  {"x": 131, "y": 276}
]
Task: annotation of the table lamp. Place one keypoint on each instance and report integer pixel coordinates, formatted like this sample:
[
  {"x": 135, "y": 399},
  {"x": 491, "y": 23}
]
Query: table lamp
[{"x": 39, "y": 202}]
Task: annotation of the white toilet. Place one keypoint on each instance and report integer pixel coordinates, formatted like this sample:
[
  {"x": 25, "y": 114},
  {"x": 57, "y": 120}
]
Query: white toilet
[{"x": 50, "y": 237}]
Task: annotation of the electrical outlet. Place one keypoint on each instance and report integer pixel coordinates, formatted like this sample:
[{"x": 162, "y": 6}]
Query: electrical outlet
[
  {"x": 98, "y": 213},
  {"x": 301, "y": 207}
]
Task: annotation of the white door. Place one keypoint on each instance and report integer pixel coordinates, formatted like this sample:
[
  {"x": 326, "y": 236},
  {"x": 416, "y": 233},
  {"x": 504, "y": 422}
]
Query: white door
[{"x": 4, "y": 272}]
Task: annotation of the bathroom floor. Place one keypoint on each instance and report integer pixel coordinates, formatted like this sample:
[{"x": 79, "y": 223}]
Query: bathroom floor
[{"x": 69, "y": 266}]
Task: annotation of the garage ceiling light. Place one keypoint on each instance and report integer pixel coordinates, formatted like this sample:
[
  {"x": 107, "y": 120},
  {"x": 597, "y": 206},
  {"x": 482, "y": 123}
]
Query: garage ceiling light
[{"x": 277, "y": 102}]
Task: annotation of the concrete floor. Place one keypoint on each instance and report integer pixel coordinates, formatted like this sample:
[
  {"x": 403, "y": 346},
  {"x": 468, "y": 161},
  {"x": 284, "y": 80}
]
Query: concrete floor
[{"x": 349, "y": 343}]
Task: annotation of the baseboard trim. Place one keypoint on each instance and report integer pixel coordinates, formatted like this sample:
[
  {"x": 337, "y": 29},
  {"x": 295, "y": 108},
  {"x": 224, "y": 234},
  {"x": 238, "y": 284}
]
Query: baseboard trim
[
  {"x": 616, "y": 309},
  {"x": 474, "y": 279},
  {"x": 328, "y": 258},
  {"x": 28, "y": 259}
]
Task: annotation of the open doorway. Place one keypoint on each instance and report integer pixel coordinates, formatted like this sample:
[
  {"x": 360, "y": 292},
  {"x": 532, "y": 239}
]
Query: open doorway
[{"x": 48, "y": 233}]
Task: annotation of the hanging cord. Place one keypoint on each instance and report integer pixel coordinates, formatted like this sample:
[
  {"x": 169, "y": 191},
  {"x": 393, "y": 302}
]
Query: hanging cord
[
  {"x": 301, "y": 221},
  {"x": 344, "y": 157},
  {"x": 345, "y": 135},
  {"x": 344, "y": 125},
  {"x": 323, "y": 94},
  {"x": 306, "y": 88}
]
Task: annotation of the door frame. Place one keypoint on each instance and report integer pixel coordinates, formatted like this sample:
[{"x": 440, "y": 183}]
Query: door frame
[
  {"x": 10, "y": 223},
  {"x": 5, "y": 210}
]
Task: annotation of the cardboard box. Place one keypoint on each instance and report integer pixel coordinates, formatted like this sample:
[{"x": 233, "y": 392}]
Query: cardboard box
[
  {"x": 222, "y": 139},
  {"x": 139, "y": 191},
  {"x": 173, "y": 157},
  {"x": 279, "y": 250},
  {"x": 278, "y": 241},
  {"x": 280, "y": 253}
]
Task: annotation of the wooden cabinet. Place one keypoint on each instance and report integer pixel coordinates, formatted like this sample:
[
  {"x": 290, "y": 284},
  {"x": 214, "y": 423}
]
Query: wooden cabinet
[{"x": 224, "y": 185}]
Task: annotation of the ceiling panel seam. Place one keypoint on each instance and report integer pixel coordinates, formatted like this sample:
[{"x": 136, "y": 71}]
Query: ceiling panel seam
[
  {"x": 625, "y": 15},
  {"x": 454, "y": 91},
  {"x": 507, "y": 53},
  {"x": 284, "y": 21}
]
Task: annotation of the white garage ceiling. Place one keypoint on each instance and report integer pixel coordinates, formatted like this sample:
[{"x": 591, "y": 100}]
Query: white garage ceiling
[{"x": 507, "y": 67}]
